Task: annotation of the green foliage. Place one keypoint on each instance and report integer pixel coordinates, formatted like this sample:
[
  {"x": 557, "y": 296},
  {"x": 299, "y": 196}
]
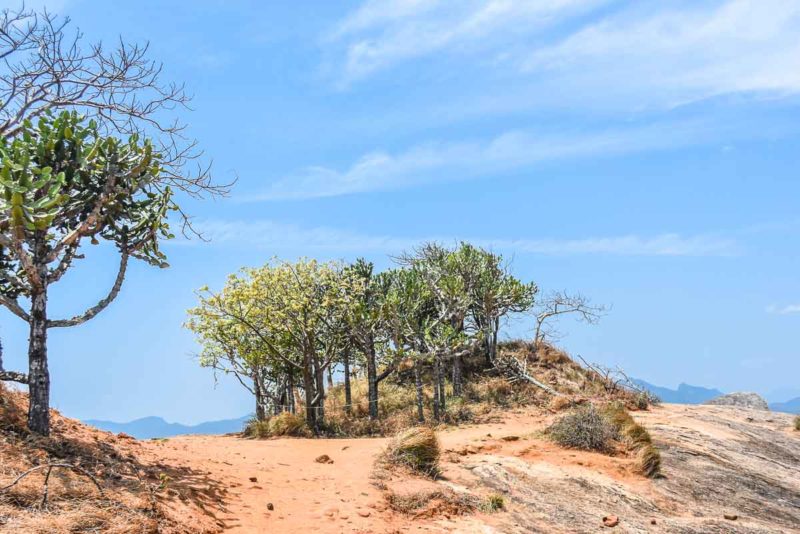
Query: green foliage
[{"x": 62, "y": 180}]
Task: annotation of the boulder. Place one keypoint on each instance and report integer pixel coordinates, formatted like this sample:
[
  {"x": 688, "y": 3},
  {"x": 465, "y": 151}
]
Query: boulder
[{"x": 741, "y": 399}]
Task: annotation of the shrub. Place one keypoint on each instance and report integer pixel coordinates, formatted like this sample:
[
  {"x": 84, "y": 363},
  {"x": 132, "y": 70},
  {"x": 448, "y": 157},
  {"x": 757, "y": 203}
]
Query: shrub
[
  {"x": 584, "y": 428},
  {"x": 415, "y": 448},
  {"x": 797, "y": 423}
]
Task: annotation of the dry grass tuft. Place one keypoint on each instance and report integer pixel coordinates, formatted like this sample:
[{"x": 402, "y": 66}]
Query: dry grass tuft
[
  {"x": 797, "y": 423},
  {"x": 433, "y": 503},
  {"x": 649, "y": 461},
  {"x": 417, "y": 449},
  {"x": 558, "y": 404}
]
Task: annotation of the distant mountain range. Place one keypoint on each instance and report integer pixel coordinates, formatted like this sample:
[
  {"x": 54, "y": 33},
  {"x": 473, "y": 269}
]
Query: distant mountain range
[
  {"x": 687, "y": 394},
  {"x": 790, "y": 406},
  {"x": 156, "y": 427}
]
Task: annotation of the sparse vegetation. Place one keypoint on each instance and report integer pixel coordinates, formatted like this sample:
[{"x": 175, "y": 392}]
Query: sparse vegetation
[
  {"x": 284, "y": 424},
  {"x": 584, "y": 428},
  {"x": 797, "y": 423}
]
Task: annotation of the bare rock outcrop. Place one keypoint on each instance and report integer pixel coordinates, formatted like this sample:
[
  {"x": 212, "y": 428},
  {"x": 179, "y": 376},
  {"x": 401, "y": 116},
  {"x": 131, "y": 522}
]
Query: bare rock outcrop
[
  {"x": 724, "y": 471},
  {"x": 742, "y": 399}
]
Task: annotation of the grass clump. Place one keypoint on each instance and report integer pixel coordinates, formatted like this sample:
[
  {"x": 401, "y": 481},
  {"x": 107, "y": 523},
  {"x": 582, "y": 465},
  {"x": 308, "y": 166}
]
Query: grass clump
[
  {"x": 584, "y": 428},
  {"x": 493, "y": 503},
  {"x": 637, "y": 439},
  {"x": 415, "y": 448},
  {"x": 797, "y": 423},
  {"x": 283, "y": 424}
]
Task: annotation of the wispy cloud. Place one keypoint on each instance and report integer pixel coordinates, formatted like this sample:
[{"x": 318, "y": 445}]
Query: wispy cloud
[
  {"x": 281, "y": 236},
  {"x": 381, "y": 33},
  {"x": 447, "y": 161},
  {"x": 654, "y": 53},
  {"x": 784, "y": 310}
]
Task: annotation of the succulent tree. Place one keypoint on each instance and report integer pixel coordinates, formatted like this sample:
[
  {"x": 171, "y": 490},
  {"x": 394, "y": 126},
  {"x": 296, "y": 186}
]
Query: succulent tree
[{"x": 64, "y": 183}]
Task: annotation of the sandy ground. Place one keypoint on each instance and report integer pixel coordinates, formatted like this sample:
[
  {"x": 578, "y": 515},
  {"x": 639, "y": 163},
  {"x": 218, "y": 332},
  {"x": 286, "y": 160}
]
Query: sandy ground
[{"x": 308, "y": 496}]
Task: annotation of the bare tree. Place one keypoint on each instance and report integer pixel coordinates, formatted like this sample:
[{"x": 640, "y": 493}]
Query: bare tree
[{"x": 560, "y": 303}]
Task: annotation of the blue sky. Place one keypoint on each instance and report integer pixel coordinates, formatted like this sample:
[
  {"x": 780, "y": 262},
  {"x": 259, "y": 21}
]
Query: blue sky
[{"x": 644, "y": 153}]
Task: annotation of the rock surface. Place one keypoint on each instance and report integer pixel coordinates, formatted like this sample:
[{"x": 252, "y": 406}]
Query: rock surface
[{"x": 741, "y": 399}]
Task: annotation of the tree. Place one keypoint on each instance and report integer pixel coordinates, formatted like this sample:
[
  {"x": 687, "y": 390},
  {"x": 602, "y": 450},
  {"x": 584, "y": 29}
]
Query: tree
[
  {"x": 367, "y": 323},
  {"x": 293, "y": 316},
  {"x": 560, "y": 303},
  {"x": 231, "y": 347},
  {"x": 62, "y": 182},
  {"x": 66, "y": 180}
]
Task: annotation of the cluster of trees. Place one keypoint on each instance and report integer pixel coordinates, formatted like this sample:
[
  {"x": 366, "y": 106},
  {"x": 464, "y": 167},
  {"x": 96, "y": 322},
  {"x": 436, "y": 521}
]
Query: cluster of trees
[
  {"x": 89, "y": 152},
  {"x": 286, "y": 325}
]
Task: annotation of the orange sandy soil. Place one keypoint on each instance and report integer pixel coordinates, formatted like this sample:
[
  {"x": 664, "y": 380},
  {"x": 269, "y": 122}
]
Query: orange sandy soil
[{"x": 340, "y": 497}]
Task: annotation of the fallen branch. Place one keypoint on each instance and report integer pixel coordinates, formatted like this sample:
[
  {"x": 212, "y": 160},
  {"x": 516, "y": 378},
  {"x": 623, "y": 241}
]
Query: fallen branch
[
  {"x": 516, "y": 370},
  {"x": 49, "y": 468}
]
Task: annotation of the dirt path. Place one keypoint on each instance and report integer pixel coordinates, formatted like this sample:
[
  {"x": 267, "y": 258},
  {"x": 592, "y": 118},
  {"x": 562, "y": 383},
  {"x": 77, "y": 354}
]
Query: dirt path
[{"x": 305, "y": 495}]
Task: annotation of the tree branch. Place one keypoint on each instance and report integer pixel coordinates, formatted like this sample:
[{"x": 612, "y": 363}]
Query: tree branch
[
  {"x": 14, "y": 307},
  {"x": 91, "y": 312},
  {"x": 13, "y": 376}
]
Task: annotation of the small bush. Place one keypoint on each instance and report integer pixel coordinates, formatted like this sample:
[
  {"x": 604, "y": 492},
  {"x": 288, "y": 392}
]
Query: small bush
[
  {"x": 584, "y": 428},
  {"x": 415, "y": 448},
  {"x": 797, "y": 423}
]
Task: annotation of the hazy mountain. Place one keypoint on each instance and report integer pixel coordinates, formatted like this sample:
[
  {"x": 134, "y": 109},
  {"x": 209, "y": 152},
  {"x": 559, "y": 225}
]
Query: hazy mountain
[
  {"x": 790, "y": 406},
  {"x": 156, "y": 427},
  {"x": 685, "y": 394}
]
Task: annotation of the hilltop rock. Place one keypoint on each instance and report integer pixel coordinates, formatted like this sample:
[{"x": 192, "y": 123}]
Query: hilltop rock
[{"x": 741, "y": 399}]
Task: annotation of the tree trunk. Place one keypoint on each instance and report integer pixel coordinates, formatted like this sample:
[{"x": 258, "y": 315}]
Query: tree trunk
[
  {"x": 437, "y": 401},
  {"x": 440, "y": 381},
  {"x": 418, "y": 383},
  {"x": 458, "y": 371},
  {"x": 290, "y": 392},
  {"x": 38, "y": 374},
  {"x": 309, "y": 389},
  {"x": 372, "y": 380},
  {"x": 348, "y": 395},
  {"x": 330, "y": 377},
  {"x": 319, "y": 373},
  {"x": 257, "y": 392},
  {"x": 495, "y": 330}
]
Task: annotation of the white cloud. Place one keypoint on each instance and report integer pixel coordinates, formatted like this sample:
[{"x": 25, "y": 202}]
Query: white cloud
[
  {"x": 784, "y": 310},
  {"x": 276, "y": 235},
  {"x": 635, "y": 53},
  {"x": 447, "y": 161},
  {"x": 381, "y": 33},
  {"x": 676, "y": 55}
]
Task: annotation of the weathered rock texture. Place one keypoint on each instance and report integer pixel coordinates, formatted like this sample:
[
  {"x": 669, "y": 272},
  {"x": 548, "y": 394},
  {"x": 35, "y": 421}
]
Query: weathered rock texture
[
  {"x": 717, "y": 462},
  {"x": 742, "y": 399}
]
